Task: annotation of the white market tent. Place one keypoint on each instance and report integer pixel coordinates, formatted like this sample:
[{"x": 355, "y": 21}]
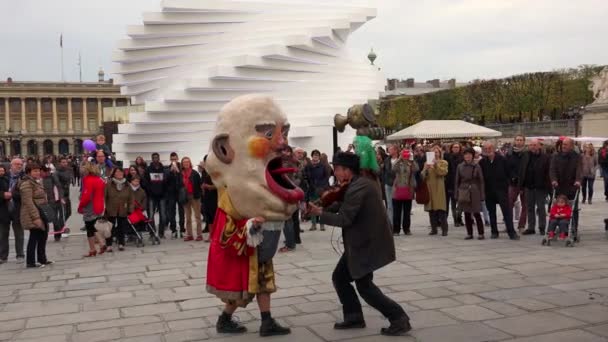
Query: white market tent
[{"x": 444, "y": 129}]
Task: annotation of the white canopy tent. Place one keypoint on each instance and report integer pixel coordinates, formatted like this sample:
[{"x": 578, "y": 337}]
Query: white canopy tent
[{"x": 444, "y": 129}]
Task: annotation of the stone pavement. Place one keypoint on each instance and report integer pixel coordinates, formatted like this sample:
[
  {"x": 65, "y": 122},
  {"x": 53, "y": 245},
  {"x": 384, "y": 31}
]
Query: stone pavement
[{"x": 454, "y": 290}]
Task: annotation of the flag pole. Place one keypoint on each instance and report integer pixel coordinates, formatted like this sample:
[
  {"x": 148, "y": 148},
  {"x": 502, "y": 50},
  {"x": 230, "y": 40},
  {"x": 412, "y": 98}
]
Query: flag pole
[{"x": 61, "y": 46}]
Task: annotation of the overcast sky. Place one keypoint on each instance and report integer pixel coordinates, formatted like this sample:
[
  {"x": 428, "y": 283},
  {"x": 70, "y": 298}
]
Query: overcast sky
[{"x": 424, "y": 39}]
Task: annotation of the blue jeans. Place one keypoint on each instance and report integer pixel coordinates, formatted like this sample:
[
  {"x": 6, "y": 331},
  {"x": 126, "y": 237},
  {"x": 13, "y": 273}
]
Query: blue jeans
[
  {"x": 389, "y": 202},
  {"x": 160, "y": 205},
  {"x": 587, "y": 188}
]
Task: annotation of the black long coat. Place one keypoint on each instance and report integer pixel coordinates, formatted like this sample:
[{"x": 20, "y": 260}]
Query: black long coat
[
  {"x": 4, "y": 214},
  {"x": 367, "y": 233}
]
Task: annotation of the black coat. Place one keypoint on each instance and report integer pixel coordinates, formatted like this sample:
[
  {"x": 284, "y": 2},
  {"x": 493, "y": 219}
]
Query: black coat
[
  {"x": 4, "y": 214},
  {"x": 514, "y": 160},
  {"x": 388, "y": 175},
  {"x": 540, "y": 172},
  {"x": 453, "y": 161},
  {"x": 156, "y": 181},
  {"x": 366, "y": 231},
  {"x": 566, "y": 169},
  {"x": 197, "y": 183},
  {"x": 496, "y": 176}
]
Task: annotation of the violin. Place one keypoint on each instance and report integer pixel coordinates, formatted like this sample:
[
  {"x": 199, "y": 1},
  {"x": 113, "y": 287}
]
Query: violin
[{"x": 330, "y": 196}]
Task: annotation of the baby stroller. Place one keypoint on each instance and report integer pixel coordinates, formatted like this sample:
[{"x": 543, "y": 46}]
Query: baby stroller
[
  {"x": 139, "y": 218},
  {"x": 573, "y": 237}
]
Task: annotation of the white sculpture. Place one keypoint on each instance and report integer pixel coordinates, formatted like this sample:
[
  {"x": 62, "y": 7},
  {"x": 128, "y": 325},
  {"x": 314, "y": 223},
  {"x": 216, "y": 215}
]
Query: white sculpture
[
  {"x": 599, "y": 86},
  {"x": 189, "y": 60}
]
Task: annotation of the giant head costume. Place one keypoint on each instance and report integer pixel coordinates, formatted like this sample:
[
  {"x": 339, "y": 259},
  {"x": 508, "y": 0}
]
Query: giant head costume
[{"x": 245, "y": 159}]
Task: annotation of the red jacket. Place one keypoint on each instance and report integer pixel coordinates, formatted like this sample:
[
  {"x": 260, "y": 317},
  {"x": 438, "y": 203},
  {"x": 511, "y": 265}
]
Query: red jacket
[
  {"x": 93, "y": 189},
  {"x": 566, "y": 210}
]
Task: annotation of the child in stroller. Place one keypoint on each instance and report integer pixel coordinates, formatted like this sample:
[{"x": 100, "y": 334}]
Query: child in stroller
[
  {"x": 138, "y": 221},
  {"x": 560, "y": 216}
]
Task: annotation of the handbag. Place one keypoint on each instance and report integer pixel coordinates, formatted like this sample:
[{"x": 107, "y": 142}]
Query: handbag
[
  {"x": 422, "y": 193},
  {"x": 464, "y": 195},
  {"x": 402, "y": 193},
  {"x": 47, "y": 213},
  {"x": 104, "y": 228}
]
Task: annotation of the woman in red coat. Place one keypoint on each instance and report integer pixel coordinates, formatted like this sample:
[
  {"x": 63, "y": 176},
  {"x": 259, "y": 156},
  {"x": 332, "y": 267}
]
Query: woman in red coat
[{"x": 92, "y": 204}]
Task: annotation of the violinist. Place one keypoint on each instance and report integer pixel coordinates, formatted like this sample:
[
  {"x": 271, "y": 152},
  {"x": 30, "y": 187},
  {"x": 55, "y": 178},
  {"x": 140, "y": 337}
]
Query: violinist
[{"x": 368, "y": 246}]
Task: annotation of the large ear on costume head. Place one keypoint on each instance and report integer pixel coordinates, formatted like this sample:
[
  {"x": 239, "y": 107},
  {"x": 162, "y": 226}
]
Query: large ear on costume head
[{"x": 222, "y": 149}]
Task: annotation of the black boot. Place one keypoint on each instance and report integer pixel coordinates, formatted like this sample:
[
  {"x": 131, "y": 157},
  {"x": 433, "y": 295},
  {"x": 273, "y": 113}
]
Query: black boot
[
  {"x": 226, "y": 325},
  {"x": 541, "y": 231},
  {"x": 270, "y": 327},
  {"x": 398, "y": 327},
  {"x": 529, "y": 232},
  {"x": 433, "y": 231},
  {"x": 350, "y": 324}
]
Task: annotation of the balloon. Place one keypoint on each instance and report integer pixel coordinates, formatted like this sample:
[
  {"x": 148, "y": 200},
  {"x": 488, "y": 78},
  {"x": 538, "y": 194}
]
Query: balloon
[{"x": 89, "y": 145}]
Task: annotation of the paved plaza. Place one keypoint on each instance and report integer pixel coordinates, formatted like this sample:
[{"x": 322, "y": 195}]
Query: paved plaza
[{"x": 454, "y": 290}]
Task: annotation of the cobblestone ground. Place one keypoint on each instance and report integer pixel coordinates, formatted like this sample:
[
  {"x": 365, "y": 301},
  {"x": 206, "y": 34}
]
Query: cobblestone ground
[{"x": 454, "y": 290}]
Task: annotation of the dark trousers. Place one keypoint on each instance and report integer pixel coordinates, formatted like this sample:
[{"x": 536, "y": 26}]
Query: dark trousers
[
  {"x": 402, "y": 215},
  {"x": 290, "y": 237},
  {"x": 562, "y": 223},
  {"x": 502, "y": 200},
  {"x": 351, "y": 306},
  {"x": 172, "y": 213},
  {"x": 36, "y": 246},
  {"x": 605, "y": 175},
  {"x": 158, "y": 204},
  {"x": 587, "y": 188},
  {"x": 536, "y": 206},
  {"x": 296, "y": 225},
  {"x": 119, "y": 227},
  {"x": 439, "y": 219},
  {"x": 468, "y": 221},
  {"x": 452, "y": 204},
  {"x": 4, "y": 236}
]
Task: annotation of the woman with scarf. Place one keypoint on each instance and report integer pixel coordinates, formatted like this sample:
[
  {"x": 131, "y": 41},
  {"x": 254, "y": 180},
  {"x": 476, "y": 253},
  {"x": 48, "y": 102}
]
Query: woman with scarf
[
  {"x": 405, "y": 171},
  {"x": 470, "y": 193},
  {"x": 118, "y": 200},
  {"x": 193, "y": 185}
]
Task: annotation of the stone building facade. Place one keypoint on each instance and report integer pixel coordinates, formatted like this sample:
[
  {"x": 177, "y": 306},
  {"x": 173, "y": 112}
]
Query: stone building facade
[{"x": 42, "y": 118}]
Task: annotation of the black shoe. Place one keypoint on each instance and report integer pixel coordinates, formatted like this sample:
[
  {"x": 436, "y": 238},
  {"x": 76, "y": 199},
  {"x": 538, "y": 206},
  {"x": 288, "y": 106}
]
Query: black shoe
[
  {"x": 226, "y": 325},
  {"x": 433, "y": 232},
  {"x": 529, "y": 232},
  {"x": 174, "y": 235},
  {"x": 33, "y": 265},
  {"x": 514, "y": 237},
  {"x": 481, "y": 237},
  {"x": 349, "y": 325},
  {"x": 541, "y": 232},
  {"x": 590, "y": 202},
  {"x": 444, "y": 233},
  {"x": 408, "y": 232},
  {"x": 397, "y": 328},
  {"x": 494, "y": 236},
  {"x": 469, "y": 237},
  {"x": 270, "y": 327}
]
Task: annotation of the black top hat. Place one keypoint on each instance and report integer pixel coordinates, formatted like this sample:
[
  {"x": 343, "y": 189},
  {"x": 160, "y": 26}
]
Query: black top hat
[{"x": 348, "y": 160}]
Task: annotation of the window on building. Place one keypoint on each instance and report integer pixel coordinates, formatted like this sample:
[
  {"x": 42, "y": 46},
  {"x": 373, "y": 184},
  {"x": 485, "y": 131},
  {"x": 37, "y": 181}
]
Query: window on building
[
  {"x": 31, "y": 125},
  {"x": 63, "y": 125},
  {"x": 2, "y": 126},
  {"x": 48, "y": 125},
  {"x": 77, "y": 125},
  {"x": 16, "y": 125},
  {"x": 93, "y": 127}
]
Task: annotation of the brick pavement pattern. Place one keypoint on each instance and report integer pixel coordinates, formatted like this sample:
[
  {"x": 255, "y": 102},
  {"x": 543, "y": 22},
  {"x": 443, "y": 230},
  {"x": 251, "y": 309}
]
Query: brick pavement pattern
[{"x": 454, "y": 290}]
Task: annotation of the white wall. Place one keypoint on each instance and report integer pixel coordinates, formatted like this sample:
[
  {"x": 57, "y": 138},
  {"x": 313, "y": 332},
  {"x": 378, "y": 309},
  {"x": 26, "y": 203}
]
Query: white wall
[{"x": 185, "y": 62}]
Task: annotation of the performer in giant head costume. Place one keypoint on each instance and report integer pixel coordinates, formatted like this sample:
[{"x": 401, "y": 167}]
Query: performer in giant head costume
[{"x": 255, "y": 198}]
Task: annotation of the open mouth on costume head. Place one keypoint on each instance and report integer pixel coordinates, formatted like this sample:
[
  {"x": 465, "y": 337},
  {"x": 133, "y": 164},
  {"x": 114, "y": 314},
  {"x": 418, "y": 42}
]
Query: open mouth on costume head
[{"x": 279, "y": 182}]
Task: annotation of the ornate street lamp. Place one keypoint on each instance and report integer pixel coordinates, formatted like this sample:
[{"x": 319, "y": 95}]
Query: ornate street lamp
[{"x": 372, "y": 56}]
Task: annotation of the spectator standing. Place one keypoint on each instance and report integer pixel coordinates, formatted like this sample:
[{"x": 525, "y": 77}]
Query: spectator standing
[
  {"x": 566, "y": 173},
  {"x": 174, "y": 184},
  {"x": 92, "y": 205},
  {"x": 156, "y": 190},
  {"x": 289, "y": 226},
  {"x": 318, "y": 182},
  {"x": 496, "y": 176},
  {"x": 602, "y": 156},
  {"x": 388, "y": 176},
  {"x": 454, "y": 158},
  {"x": 14, "y": 208},
  {"x": 33, "y": 196},
  {"x": 470, "y": 192},
  {"x": 590, "y": 166},
  {"x": 534, "y": 178},
  {"x": 209, "y": 199},
  {"x": 5, "y": 220},
  {"x": 434, "y": 174},
  {"x": 193, "y": 185},
  {"x": 64, "y": 176},
  {"x": 404, "y": 186},
  {"x": 514, "y": 158},
  {"x": 118, "y": 200},
  {"x": 51, "y": 186}
]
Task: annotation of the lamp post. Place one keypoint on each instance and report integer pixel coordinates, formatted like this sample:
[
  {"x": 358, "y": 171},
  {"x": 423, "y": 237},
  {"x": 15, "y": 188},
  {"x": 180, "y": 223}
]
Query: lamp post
[{"x": 372, "y": 56}]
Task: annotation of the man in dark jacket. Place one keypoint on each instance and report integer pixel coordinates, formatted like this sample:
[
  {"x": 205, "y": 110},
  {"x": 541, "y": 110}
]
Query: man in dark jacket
[
  {"x": 534, "y": 178},
  {"x": 174, "y": 183},
  {"x": 496, "y": 175},
  {"x": 5, "y": 221},
  {"x": 514, "y": 160},
  {"x": 64, "y": 176},
  {"x": 14, "y": 211},
  {"x": 156, "y": 189},
  {"x": 566, "y": 173},
  {"x": 454, "y": 158},
  {"x": 368, "y": 246},
  {"x": 602, "y": 158}
]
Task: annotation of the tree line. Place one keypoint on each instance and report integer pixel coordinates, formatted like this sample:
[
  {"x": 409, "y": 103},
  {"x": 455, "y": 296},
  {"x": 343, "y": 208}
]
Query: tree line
[{"x": 526, "y": 97}]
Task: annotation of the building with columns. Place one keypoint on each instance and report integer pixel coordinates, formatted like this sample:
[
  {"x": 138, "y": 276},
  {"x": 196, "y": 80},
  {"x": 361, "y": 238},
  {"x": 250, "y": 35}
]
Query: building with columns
[{"x": 41, "y": 118}]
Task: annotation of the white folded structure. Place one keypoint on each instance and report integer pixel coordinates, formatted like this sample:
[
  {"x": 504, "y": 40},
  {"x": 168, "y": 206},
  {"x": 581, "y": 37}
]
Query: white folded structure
[{"x": 185, "y": 62}]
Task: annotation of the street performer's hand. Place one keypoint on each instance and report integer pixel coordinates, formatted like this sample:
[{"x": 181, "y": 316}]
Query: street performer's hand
[
  {"x": 313, "y": 210},
  {"x": 257, "y": 222},
  {"x": 554, "y": 184}
]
